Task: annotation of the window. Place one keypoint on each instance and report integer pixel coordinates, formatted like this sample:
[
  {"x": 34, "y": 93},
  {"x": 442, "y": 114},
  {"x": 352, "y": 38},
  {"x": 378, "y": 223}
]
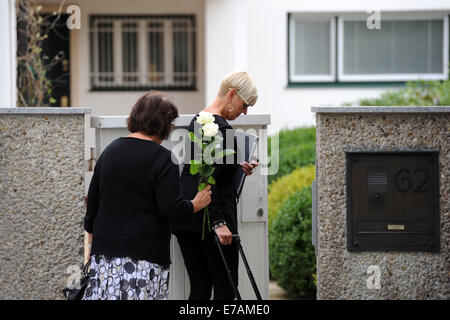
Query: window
[
  {"x": 143, "y": 52},
  {"x": 406, "y": 48},
  {"x": 312, "y": 50}
]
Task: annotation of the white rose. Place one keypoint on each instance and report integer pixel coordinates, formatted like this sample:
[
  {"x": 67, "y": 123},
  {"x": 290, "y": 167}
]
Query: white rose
[
  {"x": 205, "y": 117},
  {"x": 210, "y": 129}
]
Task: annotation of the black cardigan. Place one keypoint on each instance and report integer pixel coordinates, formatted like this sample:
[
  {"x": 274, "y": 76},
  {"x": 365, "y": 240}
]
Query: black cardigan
[
  {"x": 133, "y": 195},
  {"x": 223, "y": 197}
]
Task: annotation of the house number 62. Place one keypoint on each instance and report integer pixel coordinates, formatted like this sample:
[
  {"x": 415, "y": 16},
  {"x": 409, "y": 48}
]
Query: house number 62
[{"x": 403, "y": 181}]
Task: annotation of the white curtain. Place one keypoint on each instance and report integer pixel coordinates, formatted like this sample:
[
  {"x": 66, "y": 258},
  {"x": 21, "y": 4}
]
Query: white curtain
[
  {"x": 399, "y": 47},
  {"x": 312, "y": 47}
]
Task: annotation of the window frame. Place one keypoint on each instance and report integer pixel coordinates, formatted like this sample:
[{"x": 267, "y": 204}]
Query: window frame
[
  {"x": 293, "y": 17},
  {"x": 143, "y": 83},
  {"x": 337, "y": 54},
  {"x": 391, "y": 77}
]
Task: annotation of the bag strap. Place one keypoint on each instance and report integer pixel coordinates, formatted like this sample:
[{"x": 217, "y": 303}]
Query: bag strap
[{"x": 86, "y": 266}]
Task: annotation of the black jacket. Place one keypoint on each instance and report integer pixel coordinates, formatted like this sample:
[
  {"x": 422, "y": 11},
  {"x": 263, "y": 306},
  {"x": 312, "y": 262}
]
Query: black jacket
[
  {"x": 223, "y": 198},
  {"x": 133, "y": 195}
]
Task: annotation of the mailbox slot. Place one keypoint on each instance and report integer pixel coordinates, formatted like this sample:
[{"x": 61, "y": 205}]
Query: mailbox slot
[{"x": 392, "y": 201}]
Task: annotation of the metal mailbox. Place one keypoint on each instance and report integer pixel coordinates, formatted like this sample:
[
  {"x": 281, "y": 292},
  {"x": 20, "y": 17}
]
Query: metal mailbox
[{"x": 392, "y": 201}]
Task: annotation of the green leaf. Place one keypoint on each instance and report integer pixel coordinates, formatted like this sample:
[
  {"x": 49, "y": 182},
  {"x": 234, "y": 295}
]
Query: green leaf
[
  {"x": 194, "y": 168},
  {"x": 211, "y": 180},
  {"x": 201, "y": 186},
  {"x": 228, "y": 152},
  {"x": 224, "y": 153},
  {"x": 196, "y": 140},
  {"x": 209, "y": 152},
  {"x": 206, "y": 170}
]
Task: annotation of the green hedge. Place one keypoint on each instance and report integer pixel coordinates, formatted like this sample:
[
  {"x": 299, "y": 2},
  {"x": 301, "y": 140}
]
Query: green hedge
[
  {"x": 283, "y": 187},
  {"x": 291, "y": 253},
  {"x": 417, "y": 93},
  {"x": 297, "y": 148}
]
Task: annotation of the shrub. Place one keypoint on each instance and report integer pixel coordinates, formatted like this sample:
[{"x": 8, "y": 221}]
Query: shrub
[
  {"x": 291, "y": 254},
  {"x": 418, "y": 93},
  {"x": 297, "y": 148},
  {"x": 281, "y": 189},
  {"x": 35, "y": 86}
]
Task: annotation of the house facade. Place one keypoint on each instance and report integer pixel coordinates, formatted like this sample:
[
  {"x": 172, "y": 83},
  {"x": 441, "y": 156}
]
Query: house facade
[{"x": 300, "y": 53}]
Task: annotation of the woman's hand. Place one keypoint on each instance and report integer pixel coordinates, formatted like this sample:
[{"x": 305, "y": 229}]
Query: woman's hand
[
  {"x": 248, "y": 168},
  {"x": 87, "y": 247},
  {"x": 224, "y": 234},
  {"x": 202, "y": 199}
]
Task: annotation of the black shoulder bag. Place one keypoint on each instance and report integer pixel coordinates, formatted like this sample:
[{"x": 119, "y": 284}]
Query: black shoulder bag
[{"x": 77, "y": 293}]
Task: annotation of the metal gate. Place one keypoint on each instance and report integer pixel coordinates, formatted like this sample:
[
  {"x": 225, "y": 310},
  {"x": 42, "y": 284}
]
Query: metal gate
[{"x": 252, "y": 208}]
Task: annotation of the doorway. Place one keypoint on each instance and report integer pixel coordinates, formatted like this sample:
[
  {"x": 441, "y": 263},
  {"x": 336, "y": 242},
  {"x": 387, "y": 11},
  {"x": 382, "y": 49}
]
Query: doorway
[
  {"x": 58, "y": 45},
  {"x": 54, "y": 64}
]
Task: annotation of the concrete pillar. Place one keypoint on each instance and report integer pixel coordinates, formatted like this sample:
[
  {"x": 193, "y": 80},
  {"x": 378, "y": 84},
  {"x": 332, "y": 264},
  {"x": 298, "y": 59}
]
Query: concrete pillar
[
  {"x": 8, "y": 53},
  {"x": 42, "y": 200},
  {"x": 400, "y": 263}
]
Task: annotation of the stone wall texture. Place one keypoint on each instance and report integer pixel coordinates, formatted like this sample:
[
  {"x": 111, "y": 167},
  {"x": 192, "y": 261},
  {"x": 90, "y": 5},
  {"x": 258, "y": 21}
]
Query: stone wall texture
[
  {"x": 404, "y": 275},
  {"x": 41, "y": 203}
]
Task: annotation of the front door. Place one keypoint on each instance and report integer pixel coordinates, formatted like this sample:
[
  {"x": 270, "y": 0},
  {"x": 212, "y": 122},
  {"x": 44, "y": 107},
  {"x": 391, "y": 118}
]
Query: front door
[{"x": 58, "y": 44}]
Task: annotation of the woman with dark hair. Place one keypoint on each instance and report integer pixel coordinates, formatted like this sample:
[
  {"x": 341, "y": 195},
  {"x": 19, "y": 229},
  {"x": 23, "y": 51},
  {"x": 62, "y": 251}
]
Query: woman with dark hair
[{"x": 133, "y": 195}]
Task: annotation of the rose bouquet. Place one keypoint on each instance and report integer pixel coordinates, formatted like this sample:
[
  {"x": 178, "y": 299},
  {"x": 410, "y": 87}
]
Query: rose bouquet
[{"x": 209, "y": 140}]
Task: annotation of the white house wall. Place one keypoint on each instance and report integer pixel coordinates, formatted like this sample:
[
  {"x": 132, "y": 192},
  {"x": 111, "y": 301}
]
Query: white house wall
[
  {"x": 111, "y": 103},
  {"x": 258, "y": 30},
  {"x": 232, "y": 35},
  {"x": 7, "y": 54}
]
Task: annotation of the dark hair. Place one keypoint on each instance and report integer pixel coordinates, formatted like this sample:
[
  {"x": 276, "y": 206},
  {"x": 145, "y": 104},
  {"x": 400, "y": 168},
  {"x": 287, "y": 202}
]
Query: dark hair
[{"x": 152, "y": 114}]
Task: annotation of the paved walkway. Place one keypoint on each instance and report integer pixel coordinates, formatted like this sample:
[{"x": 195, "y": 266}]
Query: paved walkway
[{"x": 276, "y": 292}]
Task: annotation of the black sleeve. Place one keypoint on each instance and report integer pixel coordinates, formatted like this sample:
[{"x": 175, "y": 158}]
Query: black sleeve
[
  {"x": 93, "y": 198},
  {"x": 215, "y": 207},
  {"x": 168, "y": 194}
]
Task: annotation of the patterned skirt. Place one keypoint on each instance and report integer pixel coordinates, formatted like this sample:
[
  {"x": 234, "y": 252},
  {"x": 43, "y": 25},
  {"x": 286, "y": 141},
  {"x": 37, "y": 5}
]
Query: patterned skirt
[{"x": 114, "y": 278}]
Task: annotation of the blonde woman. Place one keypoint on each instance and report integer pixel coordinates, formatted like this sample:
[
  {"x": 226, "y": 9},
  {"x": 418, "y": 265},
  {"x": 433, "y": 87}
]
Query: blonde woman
[{"x": 203, "y": 263}]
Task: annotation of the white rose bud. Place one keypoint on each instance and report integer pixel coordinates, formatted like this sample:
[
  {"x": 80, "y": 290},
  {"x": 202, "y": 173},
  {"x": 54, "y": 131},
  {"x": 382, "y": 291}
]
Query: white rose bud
[
  {"x": 205, "y": 117},
  {"x": 210, "y": 129}
]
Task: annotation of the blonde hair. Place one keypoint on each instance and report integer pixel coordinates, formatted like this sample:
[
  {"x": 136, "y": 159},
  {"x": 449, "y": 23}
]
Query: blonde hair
[{"x": 242, "y": 83}]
